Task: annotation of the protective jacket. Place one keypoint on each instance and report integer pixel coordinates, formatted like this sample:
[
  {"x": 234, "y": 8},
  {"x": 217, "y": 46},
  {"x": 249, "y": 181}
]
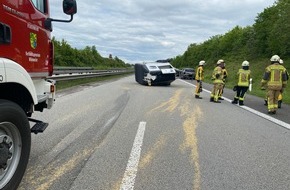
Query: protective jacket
[
  {"x": 217, "y": 75},
  {"x": 225, "y": 74},
  {"x": 275, "y": 77},
  {"x": 199, "y": 73},
  {"x": 244, "y": 77}
]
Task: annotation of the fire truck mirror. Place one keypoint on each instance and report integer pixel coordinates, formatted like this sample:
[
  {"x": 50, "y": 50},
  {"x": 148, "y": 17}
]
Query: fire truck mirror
[{"x": 69, "y": 7}]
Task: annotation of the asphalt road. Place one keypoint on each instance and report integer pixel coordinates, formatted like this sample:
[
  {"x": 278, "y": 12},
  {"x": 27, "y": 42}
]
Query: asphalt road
[{"x": 122, "y": 135}]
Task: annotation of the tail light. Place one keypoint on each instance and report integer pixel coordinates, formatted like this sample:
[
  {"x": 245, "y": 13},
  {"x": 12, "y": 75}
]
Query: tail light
[{"x": 52, "y": 88}]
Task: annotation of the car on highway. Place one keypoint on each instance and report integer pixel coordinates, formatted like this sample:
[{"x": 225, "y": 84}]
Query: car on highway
[
  {"x": 187, "y": 73},
  {"x": 154, "y": 73}
]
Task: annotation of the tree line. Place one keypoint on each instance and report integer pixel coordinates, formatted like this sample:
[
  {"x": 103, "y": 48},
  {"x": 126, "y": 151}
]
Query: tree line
[
  {"x": 269, "y": 35},
  {"x": 65, "y": 55}
]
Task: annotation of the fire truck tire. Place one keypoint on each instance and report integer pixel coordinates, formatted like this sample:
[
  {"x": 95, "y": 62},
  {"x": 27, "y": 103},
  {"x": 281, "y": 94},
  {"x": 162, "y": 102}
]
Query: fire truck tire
[{"x": 15, "y": 141}]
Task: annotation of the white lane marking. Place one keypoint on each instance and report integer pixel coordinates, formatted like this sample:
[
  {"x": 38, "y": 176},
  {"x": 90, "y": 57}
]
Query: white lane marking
[
  {"x": 272, "y": 119},
  {"x": 204, "y": 90},
  {"x": 265, "y": 116},
  {"x": 132, "y": 166}
]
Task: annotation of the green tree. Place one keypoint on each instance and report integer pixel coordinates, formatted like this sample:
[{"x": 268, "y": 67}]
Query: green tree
[{"x": 65, "y": 55}]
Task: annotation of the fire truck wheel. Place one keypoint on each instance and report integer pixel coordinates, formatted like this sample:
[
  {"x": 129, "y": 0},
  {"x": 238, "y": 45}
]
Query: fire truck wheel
[{"x": 15, "y": 141}]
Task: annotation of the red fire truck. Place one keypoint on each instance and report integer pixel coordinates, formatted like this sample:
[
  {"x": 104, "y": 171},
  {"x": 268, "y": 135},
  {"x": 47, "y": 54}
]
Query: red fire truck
[{"x": 26, "y": 60}]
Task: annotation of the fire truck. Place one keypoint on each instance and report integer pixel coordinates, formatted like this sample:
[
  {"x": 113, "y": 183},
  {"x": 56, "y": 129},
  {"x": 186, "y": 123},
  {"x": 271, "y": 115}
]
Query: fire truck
[{"x": 26, "y": 61}]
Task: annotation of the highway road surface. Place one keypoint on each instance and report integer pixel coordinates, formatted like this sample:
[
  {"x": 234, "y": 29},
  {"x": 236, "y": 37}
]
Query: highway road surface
[{"x": 120, "y": 135}]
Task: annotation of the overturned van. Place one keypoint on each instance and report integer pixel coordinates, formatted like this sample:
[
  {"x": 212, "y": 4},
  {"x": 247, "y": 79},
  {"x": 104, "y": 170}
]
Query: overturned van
[{"x": 154, "y": 73}]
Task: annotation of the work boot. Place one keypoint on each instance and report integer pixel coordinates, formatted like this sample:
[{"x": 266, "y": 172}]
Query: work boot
[
  {"x": 198, "y": 97},
  {"x": 216, "y": 101},
  {"x": 211, "y": 99},
  {"x": 272, "y": 112},
  {"x": 266, "y": 102},
  {"x": 235, "y": 101},
  {"x": 279, "y": 103},
  {"x": 220, "y": 98},
  {"x": 241, "y": 103}
]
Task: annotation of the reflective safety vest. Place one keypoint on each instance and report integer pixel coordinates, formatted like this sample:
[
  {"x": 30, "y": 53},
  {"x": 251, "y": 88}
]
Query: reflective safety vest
[
  {"x": 199, "y": 73},
  {"x": 244, "y": 77},
  {"x": 275, "y": 76}
]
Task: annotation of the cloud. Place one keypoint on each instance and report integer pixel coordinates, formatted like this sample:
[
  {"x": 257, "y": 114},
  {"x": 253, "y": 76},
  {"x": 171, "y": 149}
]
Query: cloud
[{"x": 148, "y": 30}]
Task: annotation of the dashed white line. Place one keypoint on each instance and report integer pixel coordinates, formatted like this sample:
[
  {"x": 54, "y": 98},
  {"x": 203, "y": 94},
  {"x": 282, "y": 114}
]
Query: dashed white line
[
  {"x": 272, "y": 119},
  {"x": 132, "y": 166}
]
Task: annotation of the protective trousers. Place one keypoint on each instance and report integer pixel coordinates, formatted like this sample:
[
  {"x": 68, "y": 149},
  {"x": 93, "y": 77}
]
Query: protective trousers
[
  {"x": 217, "y": 88},
  {"x": 273, "y": 100},
  {"x": 222, "y": 90},
  {"x": 240, "y": 96},
  {"x": 197, "y": 89}
]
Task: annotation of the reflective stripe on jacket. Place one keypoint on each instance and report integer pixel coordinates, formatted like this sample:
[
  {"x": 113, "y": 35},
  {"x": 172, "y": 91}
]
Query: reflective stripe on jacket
[
  {"x": 217, "y": 75},
  {"x": 275, "y": 76},
  {"x": 225, "y": 74},
  {"x": 199, "y": 73},
  {"x": 244, "y": 77}
]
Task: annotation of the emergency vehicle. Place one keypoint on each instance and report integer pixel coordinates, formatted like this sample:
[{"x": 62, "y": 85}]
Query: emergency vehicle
[{"x": 26, "y": 60}]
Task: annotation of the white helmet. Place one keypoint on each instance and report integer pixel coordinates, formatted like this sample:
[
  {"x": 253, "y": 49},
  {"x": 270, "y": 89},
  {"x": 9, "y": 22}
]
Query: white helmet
[
  {"x": 281, "y": 61},
  {"x": 275, "y": 58},
  {"x": 220, "y": 61},
  {"x": 202, "y": 62},
  {"x": 245, "y": 63}
]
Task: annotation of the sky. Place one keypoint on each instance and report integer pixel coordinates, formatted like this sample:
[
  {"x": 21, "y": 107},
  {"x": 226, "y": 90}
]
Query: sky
[{"x": 148, "y": 30}]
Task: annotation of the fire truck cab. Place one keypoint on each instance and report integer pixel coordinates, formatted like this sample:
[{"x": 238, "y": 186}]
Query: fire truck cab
[{"x": 26, "y": 60}]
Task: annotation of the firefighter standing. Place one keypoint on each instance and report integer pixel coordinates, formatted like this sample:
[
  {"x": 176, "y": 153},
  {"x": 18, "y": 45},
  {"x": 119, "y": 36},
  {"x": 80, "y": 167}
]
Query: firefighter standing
[
  {"x": 244, "y": 75},
  {"x": 280, "y": 97},
  {"x": 217, "y": 77},
  {"x": 225, "y": 75},
  {"x": 199, "y": 78},
  {"x": 275, "y": 78}
]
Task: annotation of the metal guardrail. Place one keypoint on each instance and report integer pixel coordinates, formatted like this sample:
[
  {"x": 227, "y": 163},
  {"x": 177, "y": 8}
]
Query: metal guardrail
[{"x": 72, "y": 73}]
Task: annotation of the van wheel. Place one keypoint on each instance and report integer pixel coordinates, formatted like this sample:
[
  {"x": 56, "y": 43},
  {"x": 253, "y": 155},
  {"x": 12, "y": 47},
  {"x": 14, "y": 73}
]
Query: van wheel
[{"x": 15, "y": 141}]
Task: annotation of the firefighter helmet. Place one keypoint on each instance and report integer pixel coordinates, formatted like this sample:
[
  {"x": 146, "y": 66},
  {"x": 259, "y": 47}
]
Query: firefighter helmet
[
  {"x": 275, "y": 58},
  {"x": 202, "y": 62},
  {"x": 245, "y": 63},
  {"x": 220, "y": 61},
  {"x": 281, "y": 61}
]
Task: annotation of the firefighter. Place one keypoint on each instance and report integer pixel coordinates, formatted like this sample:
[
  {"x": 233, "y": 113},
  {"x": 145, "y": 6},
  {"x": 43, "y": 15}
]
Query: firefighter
[
  {"x": 244, "y": 75},
  {"x": 280, "y": 97},
  {"x": 225, "y": 75},
  {"x": 199, "y": 78},
  {"x": 275, "y": 78},
  {"x": 217, "y": 77}
]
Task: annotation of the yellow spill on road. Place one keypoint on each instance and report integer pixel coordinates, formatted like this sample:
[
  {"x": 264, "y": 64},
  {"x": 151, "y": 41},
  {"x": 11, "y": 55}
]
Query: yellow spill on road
[
  {"x": 171, "y": 104},
  {"x": 54, "y": 171},
  {"x": 149, "y": 156},
  {"x": 192, "y": 114}
]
